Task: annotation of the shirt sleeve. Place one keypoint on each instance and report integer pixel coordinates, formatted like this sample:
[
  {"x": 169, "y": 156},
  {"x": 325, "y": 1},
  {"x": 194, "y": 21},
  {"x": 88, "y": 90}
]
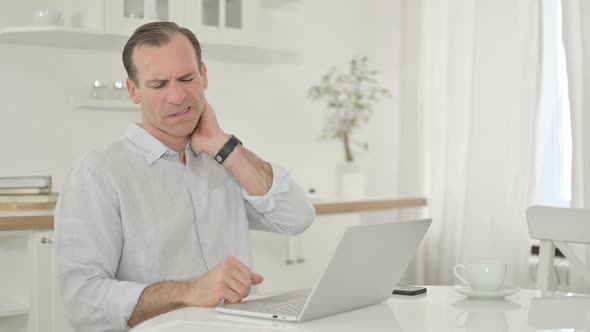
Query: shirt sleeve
[
  {"x": 284, "y": 209},
  {"x": 89, "y": 242}
]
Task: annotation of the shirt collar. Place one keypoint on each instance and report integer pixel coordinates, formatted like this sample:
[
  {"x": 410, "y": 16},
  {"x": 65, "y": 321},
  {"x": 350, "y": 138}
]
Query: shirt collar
[{"x": 153, "y": 149}]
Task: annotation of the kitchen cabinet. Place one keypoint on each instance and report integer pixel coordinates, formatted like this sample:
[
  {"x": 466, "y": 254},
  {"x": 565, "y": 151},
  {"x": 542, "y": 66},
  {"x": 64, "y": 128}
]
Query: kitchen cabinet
[
  {"x": 42, "y": 280},
  {"x": 227, "y": 29},
  {"x": 124, "y": 16},
  {"x": 29, "y": 294},
  {"x": 47, "y": 309},
  {"x": 14, "y": 286},
  {"x": 225, "y": 22}
]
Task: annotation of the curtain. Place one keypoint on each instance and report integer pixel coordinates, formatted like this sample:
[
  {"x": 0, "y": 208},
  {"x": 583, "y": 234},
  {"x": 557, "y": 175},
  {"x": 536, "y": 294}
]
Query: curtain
[
  {"x": 576, "y": 39},
  {"x": 478, "y": 88}
]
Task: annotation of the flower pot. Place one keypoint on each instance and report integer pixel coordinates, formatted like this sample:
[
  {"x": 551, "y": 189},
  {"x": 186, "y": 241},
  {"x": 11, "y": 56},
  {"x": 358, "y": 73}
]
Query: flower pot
[{"x": 350, "y": 181}]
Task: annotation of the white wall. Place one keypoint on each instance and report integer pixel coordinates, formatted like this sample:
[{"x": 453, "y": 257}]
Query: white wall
[
  {"x": 265, "y": 105},
  {"x": 412, "y": 141}
]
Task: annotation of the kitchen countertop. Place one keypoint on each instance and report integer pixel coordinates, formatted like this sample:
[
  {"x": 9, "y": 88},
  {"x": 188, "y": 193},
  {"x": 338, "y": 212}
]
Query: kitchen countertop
[
  {"x": 40, "y": 216},
  {"x": 26, "y": 219}
]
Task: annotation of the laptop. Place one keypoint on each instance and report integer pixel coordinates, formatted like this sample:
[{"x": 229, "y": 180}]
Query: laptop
[{"x": 364, "y": 269}]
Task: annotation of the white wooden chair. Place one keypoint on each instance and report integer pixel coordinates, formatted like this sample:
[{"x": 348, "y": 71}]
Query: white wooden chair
[{"x": 557, "y": 227}]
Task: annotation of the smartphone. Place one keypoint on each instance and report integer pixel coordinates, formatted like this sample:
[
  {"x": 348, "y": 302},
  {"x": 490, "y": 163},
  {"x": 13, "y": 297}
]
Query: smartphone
[{"x": 408, "y": 290}]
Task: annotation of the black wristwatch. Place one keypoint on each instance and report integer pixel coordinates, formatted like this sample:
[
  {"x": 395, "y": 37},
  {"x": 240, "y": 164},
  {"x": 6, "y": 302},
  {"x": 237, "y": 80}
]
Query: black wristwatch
[{"x": 227, "y": 148}]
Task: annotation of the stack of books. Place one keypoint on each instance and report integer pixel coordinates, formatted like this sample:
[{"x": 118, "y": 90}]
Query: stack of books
[{"x": 26, "y": 189}]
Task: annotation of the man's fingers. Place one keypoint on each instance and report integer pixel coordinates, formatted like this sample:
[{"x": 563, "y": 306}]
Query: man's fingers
[
  {"x": 257, "y": 279},
  {"x": 231, "y": 296},
  {"x": 237, "y": 287},
  {"x": 240, "y": 277},
  {"x": 237, "y": 270},
  {"x": 242, "y": 267},
  {"x": 254, "y": 278}
]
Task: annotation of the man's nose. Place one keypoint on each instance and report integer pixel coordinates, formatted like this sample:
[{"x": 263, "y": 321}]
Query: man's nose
[{"x": 175, "y": 94}]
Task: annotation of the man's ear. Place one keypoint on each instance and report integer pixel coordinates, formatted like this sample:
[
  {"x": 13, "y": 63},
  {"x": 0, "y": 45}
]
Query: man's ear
[
  {"x": 132, "y": 90},
  {"x": 204, "y": 74}
]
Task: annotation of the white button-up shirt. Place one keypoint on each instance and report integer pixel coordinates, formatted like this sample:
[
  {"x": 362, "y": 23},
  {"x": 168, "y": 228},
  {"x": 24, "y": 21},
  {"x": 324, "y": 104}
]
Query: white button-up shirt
[{"x": 132, "y": 214}]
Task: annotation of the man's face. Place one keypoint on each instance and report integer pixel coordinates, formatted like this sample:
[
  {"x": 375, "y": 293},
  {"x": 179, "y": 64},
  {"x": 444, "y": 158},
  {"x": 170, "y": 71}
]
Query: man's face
[{"x": 170, "y": 88}]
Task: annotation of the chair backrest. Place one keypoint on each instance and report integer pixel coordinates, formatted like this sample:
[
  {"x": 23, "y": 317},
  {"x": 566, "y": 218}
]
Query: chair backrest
[{"x": 556, "y": 227}]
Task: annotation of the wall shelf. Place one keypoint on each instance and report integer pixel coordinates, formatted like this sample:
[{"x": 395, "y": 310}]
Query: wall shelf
[
  {"x": 276, "y": 4},
  {"x": 106, "y": 104},
  {"x": 61, "y": 37},
  {"x": 66, "y": 37},
  {"x": 9, "y": 307}
]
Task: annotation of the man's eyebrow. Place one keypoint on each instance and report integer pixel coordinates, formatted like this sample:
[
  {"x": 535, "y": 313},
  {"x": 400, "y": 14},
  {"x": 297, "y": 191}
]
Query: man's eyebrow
[
  {"x": 157, "y": 81},
  {"x": 163, "y": 80},
  {"x": 186, "y": 75}
]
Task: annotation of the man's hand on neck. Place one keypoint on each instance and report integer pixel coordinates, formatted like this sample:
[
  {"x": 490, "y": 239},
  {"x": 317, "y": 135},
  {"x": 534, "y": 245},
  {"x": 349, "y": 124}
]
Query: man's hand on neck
[
  {"x": 208, "y": 137},
  {"x": 253, "y": 173}
]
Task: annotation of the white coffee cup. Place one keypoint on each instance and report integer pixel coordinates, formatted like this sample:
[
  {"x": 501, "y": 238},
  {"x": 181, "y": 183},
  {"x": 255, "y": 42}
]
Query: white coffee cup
[{"x": 483, "y": 276}]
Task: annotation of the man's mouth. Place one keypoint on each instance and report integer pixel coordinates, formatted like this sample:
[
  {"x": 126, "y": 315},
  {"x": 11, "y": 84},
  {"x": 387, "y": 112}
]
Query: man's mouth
[{"x": 186, "y": 110}]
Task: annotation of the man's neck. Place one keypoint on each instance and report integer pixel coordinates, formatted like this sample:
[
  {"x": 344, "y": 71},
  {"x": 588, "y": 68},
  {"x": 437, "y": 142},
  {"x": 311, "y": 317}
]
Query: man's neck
[{"x": 174, "y": 143}]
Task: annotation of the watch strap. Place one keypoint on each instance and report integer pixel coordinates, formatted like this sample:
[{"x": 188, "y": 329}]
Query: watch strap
[{"x": 227, "y": 148}]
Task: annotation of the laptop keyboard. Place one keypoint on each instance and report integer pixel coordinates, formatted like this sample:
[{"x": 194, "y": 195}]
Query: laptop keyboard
[{"x": 290, "y": 308}]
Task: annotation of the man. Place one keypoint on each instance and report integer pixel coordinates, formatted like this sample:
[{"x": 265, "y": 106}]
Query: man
[{"x": 160, "y": 219}]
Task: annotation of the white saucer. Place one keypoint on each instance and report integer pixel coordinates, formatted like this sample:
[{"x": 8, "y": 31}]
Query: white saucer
[{"x": 466, "y": 290}]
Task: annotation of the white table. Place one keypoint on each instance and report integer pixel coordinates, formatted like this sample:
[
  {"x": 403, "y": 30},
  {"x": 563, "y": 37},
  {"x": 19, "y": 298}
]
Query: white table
[{"x": 440, "y": 309}]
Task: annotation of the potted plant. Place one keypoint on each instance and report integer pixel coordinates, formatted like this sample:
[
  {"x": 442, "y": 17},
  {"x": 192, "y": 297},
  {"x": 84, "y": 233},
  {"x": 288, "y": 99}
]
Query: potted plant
[{"x": 350, "y": 97}]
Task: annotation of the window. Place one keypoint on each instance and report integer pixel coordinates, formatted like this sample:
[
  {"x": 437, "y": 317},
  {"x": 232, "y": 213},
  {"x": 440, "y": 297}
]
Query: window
[{"x": 554, "y": 142}]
